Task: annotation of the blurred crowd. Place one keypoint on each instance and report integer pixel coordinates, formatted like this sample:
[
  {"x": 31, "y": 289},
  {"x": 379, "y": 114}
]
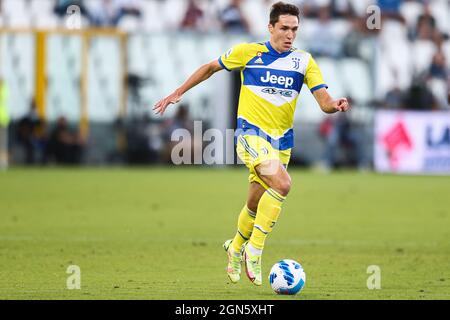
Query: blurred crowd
[
  {"x": 409, "y": 63},
  {"x": 39, "y": 142},
  {"x": 413, "y": 55}
]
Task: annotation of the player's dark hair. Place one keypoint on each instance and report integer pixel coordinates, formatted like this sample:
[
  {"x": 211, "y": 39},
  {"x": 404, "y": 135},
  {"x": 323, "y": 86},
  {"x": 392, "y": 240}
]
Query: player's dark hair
[{"x": 281, "y": 8}]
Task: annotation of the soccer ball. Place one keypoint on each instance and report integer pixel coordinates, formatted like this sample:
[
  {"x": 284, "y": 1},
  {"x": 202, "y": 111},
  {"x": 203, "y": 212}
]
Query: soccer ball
[{"x": 287, "y": 277}]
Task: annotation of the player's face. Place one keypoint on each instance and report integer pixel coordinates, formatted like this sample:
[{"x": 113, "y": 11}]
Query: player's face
[{"x": 283, "y": 33}]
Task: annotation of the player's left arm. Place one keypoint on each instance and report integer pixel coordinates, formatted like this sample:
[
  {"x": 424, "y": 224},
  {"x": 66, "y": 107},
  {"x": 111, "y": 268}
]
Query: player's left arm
[
  {"x": 328, "y": 104},
  {"x": 315, "y": 82}
]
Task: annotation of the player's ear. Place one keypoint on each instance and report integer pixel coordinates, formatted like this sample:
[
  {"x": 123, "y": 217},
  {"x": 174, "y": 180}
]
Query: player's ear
[{"x": 270, "y": 27}]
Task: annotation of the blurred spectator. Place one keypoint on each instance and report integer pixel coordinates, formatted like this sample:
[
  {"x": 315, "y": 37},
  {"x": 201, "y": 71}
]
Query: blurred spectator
[
  {"x": 438, "y": 68},
  {"x": 61, "y": 7},
  {"x": 419, "y": 96},
  {"x": 389, "y": 6},
  {"x": 358, "y": 33},
  {"x": 118, "y": 154},
  {"x": 103, "y": 13},
  {"x": 181, "y": 120},
  {"x": 65, "y": 146},
  {"x": 324, "y": 41},
  {"x": 438, "y": 77},
  {"x": 448, "y": 94},
  {"x": 342, "y": 9},
  {"x": 394, "y": 99},
  {"x": 31, "y": 135},
  {"x": 344, "y": 146},
  {"x": 193, "y": 16},
  {"x": 338, "y": 8},
  {"x": 127, "y": 7},
  {"x": 232, "y": 18},
  {"x": 390, "y": 9},
  {"x": 310, "y": 8},
  {"x": 426, "y": 25},
  {"x": 4, "y": 122},
  {"x": 106, "y": 13}
]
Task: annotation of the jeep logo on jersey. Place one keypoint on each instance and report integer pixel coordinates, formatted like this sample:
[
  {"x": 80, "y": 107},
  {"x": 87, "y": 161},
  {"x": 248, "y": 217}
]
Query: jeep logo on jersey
[
  {"x": 284, "y": 93},
  {"x": 281, "y": 80}
]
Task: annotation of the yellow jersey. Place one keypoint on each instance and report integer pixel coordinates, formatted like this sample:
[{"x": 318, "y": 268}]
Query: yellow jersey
[{"x": 271, "y": 83}]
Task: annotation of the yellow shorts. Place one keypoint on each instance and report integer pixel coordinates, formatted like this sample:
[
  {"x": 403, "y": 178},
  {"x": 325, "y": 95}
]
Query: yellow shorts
[{"x": 253, "y": 150}]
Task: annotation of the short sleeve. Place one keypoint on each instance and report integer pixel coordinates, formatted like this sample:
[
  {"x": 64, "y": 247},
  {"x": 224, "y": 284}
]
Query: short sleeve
[
  {"x": 313, "y": 78},
  {"x": 233, "y": 58}
]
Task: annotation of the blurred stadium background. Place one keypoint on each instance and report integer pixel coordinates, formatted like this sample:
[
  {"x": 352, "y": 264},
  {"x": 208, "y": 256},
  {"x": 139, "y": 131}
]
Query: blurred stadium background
[
  {"x": 82, "y": 80},
  {"x": 77, "y": 88}
]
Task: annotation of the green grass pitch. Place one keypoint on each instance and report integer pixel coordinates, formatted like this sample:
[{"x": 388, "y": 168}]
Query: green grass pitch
[{"x": 156, "y": 233}]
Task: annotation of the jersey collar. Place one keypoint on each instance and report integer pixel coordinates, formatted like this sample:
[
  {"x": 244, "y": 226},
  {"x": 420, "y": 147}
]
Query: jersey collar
[{"x": 275, "y": 52}]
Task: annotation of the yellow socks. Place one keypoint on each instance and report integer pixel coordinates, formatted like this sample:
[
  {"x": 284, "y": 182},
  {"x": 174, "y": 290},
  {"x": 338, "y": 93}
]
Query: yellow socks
[
  {"x": 269, "y": 208},
  {"x": 245, "y": 228},
  {"x": 255, "y": 230}
]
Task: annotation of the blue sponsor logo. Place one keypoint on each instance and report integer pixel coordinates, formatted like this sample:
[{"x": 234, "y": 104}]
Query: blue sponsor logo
[
  {"x": 441, "y": 140},
  {"x": 272, "y": 78},
  {"x": 287, "y": 82},
  {"x": 281, "y": 92}
]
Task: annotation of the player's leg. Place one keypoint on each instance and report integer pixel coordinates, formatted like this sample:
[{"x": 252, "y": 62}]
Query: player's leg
[
  {"x": 275, "y": 176},
  {"x": 278, "y": 182},
  {"x": 255, "y": 192},
  {"x": 246, "y": 220},
  {"x": 247, "y": 216},
  {"x": 261, "y": 158}
]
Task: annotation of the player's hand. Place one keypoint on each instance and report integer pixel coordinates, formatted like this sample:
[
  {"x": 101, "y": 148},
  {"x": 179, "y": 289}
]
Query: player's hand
[
  {"x": 162, "y": 105},
  {"x": 342, "y": 105}
]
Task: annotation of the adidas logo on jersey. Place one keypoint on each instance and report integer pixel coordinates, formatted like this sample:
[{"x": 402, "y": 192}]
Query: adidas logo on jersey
[
  {"x": 281, "y": 80},
  {"x": 259, "y": 61}
]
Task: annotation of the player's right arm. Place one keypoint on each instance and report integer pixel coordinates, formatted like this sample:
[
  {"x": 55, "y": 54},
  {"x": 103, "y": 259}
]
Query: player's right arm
[
  {"x": 200, "y": 75},
  {"x": 232, "y": 59}
]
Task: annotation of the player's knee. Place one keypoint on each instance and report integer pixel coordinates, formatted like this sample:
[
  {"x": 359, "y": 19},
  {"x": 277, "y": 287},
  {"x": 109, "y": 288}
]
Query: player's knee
[{"x": 284, "y": 186}]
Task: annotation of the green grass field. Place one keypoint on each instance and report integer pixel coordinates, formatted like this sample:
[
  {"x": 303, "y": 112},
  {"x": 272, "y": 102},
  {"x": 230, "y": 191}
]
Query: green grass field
[{"x": 156, "y": 233}]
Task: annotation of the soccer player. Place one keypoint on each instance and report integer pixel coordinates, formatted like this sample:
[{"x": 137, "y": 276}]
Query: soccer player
[{"x": 272, "y": 75}]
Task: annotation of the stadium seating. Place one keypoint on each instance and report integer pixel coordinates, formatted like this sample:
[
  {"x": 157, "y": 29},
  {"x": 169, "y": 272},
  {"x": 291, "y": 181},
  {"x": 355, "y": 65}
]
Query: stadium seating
[
  {"x": 360, "y": 6},
  {"x": 422, "y": 51},
  {"x": 17, "y": 66},
  {"x": 357, "y": 80},
  {"x": 332, "y": 76},
  {"x": 411, "y": 10},
  {"x": 63, "y": 77},
  {"x": 42, "y": 14},
  {"x": 446, "y": 48},
  {"x": 439, "y": 89},
  {"x": 173, "y": 13},
  {"x": 159, "y": 52},
  {"x": 16, "y": 13},
  {"x": 258, "y": 11},
  {"x": 394, "y": 65},
  {"x": 152, "y": 18},
  {"x": 440, "y": 9},
  {"x": 129, "y": 24}
]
